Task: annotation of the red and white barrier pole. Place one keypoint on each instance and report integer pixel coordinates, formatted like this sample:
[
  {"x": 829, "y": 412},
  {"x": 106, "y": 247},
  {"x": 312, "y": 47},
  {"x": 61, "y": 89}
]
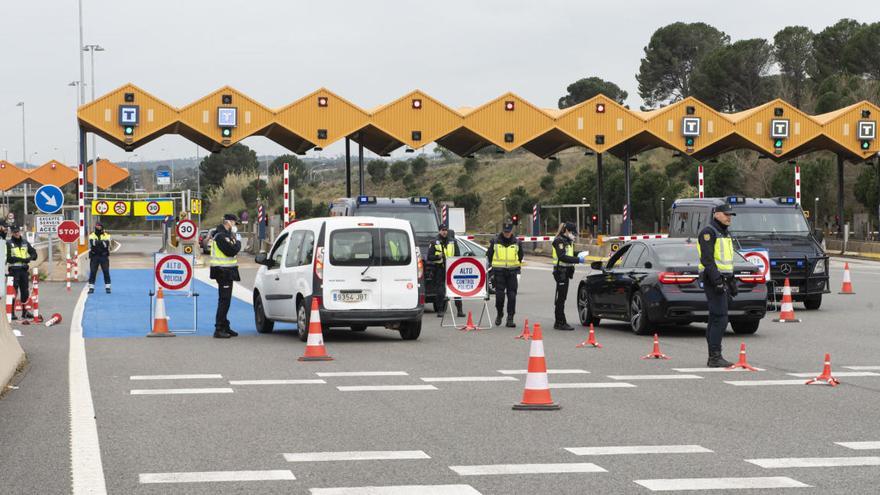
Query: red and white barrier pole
[
  {"x": 10, "y": 299},
  {"x": 67, "y": 276},
  {"x": 700, "y": 179},
  {"x": 797, "y": 184},
  {"x": 286, "y": 194},
  {"x": 82, "y": 205},
  {"x": 36, "y": 298}
]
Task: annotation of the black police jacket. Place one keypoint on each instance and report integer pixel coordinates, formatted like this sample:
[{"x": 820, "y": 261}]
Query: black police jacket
[
  {"x": 706, "y": 239},
  {"x": 17, "y": 243},
  {"x": 230, "y": 246}
]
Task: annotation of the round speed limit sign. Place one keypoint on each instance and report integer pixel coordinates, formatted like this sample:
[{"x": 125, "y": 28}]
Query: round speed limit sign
[{"x": 186, "y": 230}]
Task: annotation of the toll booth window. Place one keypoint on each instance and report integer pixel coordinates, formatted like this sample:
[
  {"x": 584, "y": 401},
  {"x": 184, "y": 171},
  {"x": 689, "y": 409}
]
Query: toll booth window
[
  {"x": 352, "y": 247},
  {"x": 293, "y": 247},
  {"x": 395, "y": 248},
  {"x": 308, "y": 249},
  {"x": 278, "y": 250}
]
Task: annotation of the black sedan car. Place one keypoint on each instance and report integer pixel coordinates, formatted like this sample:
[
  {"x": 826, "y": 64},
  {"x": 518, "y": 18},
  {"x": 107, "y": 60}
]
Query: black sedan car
[{"x": 657, "y": 282}]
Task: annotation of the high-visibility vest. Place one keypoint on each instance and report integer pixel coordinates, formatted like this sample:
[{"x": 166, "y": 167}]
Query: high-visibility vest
[
  {"x": 506, "y": 256},
  {"x": 394, "y": 250},
  {"x": 218, "y": 258},
  {"x": 19, "y": 252},
  {"x": 723, "y": 253},
  {"x": 440, "y": 250},
  {"x": 569, "y": 251},
  {"x": 104, "y": 237}
]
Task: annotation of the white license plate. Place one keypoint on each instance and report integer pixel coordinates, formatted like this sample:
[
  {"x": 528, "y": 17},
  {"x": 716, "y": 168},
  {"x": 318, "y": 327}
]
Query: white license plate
[
  {"x": 350, "y": 297},
  {"x": 794, "y": 290}
]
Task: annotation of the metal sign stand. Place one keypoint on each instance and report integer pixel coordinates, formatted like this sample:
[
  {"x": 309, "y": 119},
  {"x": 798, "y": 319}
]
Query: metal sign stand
[
  {"x": 484, "y": 312},
  {"x": 479, "y": 292}
]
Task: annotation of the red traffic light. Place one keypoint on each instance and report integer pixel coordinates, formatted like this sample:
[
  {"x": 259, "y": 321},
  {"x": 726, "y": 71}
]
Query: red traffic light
[
  {"x": 595, "y": 218},
  {"x": 600, "y": 108},
  {"x": 509, "y": 106},
  {"x": 514, "y": 219}
]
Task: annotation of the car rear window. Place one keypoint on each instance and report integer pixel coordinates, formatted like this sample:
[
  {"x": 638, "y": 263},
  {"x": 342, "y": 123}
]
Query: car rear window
[{"x": 362, "y": 247}]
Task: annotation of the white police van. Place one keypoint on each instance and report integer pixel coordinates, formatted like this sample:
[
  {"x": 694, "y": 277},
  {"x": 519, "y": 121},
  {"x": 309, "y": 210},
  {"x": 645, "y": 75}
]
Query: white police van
[{"x": 363, "y": 271}]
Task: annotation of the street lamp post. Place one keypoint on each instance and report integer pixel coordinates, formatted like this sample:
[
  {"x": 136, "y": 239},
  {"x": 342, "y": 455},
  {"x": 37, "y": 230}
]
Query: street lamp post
[
  {"x": 24, "y": 160},
  {"x": 92, "y": 49},
  {"x": 816, "y": 212},
  {"x": 662, "y": 212}
]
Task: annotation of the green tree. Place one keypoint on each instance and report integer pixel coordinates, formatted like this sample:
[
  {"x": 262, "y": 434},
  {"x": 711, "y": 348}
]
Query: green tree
[
  {"x": 519, "y": 201},
  {"x": 409, "y": 182},
  {"x": 671, "y": 56},
  {"x": 829, "y": 48},
  {"x": 548, "y": 183},
  {"x": 306, "y": 209},
  {"x": 734, "y": 77},
  {"x": 398, "y": 170},
  {"x": 438, "y": 192},
  {"x": 588, "y": 87},
  {"x": 471, "y": 165},
  {"x": 418, "y": 165},
  {"x": 553, "y": 166},
  {"x": 865, "y": 190},
  {"x": 862, "y": 52},
  {"x": 237, "y": 158},
  {"x": 444, "y": 154},
  {"x": 793, "y": 50},
  {"x": 723, "y": 179},
  {"x": 465, "y": 182},
  {"x": 298, "y": 169},
  {"x": 470, "y": 202},
  {"x": 378, "y": 170}
]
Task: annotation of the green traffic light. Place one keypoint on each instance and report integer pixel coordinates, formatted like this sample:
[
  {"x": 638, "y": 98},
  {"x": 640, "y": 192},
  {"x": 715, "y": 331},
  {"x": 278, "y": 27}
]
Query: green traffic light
[
  {"x": 689, "y": 142},
  {"x": 777, "y": 143},
  {"x": 227, "y": 132},
  {"x": 129, "y": 130},
  {"x": 866, "y": 145}
]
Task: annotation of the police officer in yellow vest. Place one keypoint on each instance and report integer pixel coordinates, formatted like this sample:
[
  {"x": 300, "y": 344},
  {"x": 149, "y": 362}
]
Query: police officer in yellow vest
[
  {"x": 505, "y": 256},
  {"x": 444, "y": 247},
  {"x": 19, "y": 253},
  {"x": 716, "y": 275},
  {"x": 99, "y": 256},
  {"x": 224, "y": 269},
  {"x": 564, "y": 261}
]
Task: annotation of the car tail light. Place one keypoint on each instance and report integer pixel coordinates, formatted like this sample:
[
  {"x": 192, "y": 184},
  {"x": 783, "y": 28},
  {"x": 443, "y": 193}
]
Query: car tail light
[
  {"x": 676, "y": 278},
  {"x": 422, "y": 299},
  {"x": 751, "y": 279},
  {"x": 319, "y": 263}
]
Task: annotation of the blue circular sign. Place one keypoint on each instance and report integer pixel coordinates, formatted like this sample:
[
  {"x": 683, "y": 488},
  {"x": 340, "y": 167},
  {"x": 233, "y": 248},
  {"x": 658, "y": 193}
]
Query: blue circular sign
[{"x": 49, "y": 198}]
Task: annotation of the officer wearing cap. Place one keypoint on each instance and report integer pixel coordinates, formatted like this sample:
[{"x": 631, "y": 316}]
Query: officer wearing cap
[
  {"x": 444, "y": 247},
  {"x": 19, "y": 253},
  {"x": 99, "y": 256},
  {"x": 224, "y": 269},
  {"x": 716, "y": 274},
  {"x": 505, "y": 256},
  {"x": 564, "y": 261}
]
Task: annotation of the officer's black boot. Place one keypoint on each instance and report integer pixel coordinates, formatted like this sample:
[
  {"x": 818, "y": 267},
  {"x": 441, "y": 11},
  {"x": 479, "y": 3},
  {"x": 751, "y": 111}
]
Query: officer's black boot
[
  {"x": 231, "y": 332},
  {"x": 561, "y": 325},
  {"x": 499, "y": 318},
  {"x": 107, "y": 289},
  {"x": 717, "y": 361},
  {"x": 91, "y": 289},
  {"x": 27, "y": 315},
  {"x": 510, "y": 323},
  {"x": 13, "y": 316},
  {"x": 221, "y": 333}
]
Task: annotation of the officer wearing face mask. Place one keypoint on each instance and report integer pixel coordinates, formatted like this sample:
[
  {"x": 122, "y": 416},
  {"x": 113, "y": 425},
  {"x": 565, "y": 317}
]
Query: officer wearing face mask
[
  {"x": 564, "y": 261},
  {"x": 99, "y": 256},
  {"x": 224, "y": 269}
]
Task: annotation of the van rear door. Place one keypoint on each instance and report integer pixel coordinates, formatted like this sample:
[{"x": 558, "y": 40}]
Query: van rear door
[
  {"x": 399, "y": 270},
  {"x": 351, "y": 269}
]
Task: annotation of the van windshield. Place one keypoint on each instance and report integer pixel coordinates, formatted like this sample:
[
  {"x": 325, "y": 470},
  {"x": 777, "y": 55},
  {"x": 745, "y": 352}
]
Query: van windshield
[
  {"x": 769, "y": 221},
  {"x": 423, "y": 220}
]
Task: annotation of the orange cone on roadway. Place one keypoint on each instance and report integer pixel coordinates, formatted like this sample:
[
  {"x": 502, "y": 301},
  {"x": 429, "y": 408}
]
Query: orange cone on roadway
[
  {"x": 742, "y": 363},
  {"x": 525, "y": 332},
  {"x": 846, "y": 288},
  {"x": 536, "y": 396},
  {"x": 786, "y": 313},
  {"x": 591, "y": 340},
  {"x": 656, "y": 354},
  {"x": 825, "y": 377},
  {"x": 315, "y": 350},
  {"x": 469, "y": 326},
  {"x": 160, "y": 319}
]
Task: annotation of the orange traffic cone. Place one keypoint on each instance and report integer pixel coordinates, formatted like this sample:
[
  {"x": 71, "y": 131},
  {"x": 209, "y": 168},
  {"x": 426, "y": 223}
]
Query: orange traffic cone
[
  {"x": 536, "y": 396},
  {"x": 742, "y": 363},
  {"x": 786, "y": 314},
  {"x": 315, "y": 350},
  {"x": 656, "y": 354},
  {"x": 591, "y": 340},
  {"x": 846, "y": 288},
  {"x": 525, "y": 332},
  {"x": 825, "y": 377},
  {"x": 54, "y": 320},
  {"x": 469, "y": 326},
  {"x": 160, "y": 319}
]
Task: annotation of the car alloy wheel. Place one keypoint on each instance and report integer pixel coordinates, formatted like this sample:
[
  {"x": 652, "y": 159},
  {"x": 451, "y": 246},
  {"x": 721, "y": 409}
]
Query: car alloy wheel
[
  {"x": 302, "y": 324},
  {"x": 638, "y": 320}
]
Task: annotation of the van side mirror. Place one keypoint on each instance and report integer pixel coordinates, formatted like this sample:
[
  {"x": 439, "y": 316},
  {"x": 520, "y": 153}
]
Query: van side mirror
[
  {"x": 596, "y": 265},
  {"x": 263, "y": 259}
]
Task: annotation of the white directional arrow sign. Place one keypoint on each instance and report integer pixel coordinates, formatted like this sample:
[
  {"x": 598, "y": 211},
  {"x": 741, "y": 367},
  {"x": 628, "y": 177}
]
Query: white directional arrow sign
[{"x": 50, "y": 200}]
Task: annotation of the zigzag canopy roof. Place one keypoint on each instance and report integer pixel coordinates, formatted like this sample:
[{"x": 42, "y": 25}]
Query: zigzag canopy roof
[{"x": 508, "y": 122}]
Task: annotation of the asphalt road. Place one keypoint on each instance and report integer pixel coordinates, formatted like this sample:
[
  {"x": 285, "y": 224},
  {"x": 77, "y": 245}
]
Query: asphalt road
[{"x": 448, "y": 434}]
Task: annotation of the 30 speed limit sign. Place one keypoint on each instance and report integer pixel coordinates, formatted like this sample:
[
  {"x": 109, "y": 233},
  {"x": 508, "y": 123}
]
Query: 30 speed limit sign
[{"x": 186, "y": 230}]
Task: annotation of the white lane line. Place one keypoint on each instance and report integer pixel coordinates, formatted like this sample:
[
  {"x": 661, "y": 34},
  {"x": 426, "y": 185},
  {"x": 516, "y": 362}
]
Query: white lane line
[
  {"x": 364, "y": 455},
  {"x": 763, "y": 383},
  {"x": 398, "y": 490},
  {"x": 639, "y": 449},
  {"x": 655, "y": 377},
  {"x": 362, "y": 373},
  {"x": 681, "y": 484},
  {"x": 550, "y": 371},
  {"x": 175, "y": 377},
  {"x": 213, "y": 476},
  {"x": 381, "y": 388},
  {"x": 277, "y": 382},
  {"x": 710, "y": 370},
  {"x": 470, "y": 379},
  {"x": 863, "y": 368},
  {"x": 86, "y": 469},
  {"x": 182, "y": 391},
  {"x": 835, "y": 374},
  {"x": 860, "y": 445},
  {"x": 593, "y": 385},
  {"x": 811, "y": 462},
  {"x": 239, "y": 291},
  {"x": 493, "y": 469}
]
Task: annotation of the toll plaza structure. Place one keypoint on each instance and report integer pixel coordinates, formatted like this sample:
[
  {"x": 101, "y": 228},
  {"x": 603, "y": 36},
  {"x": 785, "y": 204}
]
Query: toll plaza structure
[{"x": 131, "y": 117}]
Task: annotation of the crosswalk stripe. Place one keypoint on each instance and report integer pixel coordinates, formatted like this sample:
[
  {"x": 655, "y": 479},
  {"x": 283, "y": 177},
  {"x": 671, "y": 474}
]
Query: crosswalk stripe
[
  {"x": 655, "y": 377},
  {"x": 398, "y": 490},
  {"x": 493, "y": 469},
  {"x": 639, "y": 449},
  {"x": 863, "y": 368},
  {"x": 181, "y": 391},
  {"x": 175, "y": 377},
  {"x": 380, "y": 388},
  {"x": 470, "y": 379},
  {"x": 276, "y": 382},
  {"x": 213, "y": 476},
  {"x": 593, "y": 385},
  {"x": 836, "y": 374},
  {"x": 330, "y": 374},
  {"x": 860, "y": 445},
  {"x": 550, "y": 371},
  {"x": 364, "y": 455},
  {"x": 711, "y": 370},
  {"x": 809, "y": 462},
  {"x": 671, "y": 485},
  {"x": 763, "y": 383}
]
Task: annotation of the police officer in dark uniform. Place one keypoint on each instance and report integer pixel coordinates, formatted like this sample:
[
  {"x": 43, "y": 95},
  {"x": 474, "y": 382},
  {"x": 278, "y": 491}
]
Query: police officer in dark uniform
[
  {"x": 504, "y": 257},
  {"x": 716, "y": 274},
  {"x": 224, "y": 269},
  {"x": 99, "y": 256},
  {"x": 564, "y": 261},
  {"x": 19, "y": 253},
  {"x": 444, "y": 247}
]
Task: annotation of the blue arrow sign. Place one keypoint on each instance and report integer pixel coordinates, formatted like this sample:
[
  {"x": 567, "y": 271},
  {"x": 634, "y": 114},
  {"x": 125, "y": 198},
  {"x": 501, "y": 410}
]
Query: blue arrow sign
[{"x": 49, "y": 199}]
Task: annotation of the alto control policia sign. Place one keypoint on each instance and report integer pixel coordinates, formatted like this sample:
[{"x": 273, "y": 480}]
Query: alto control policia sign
[{"x": 466, "y": 277}]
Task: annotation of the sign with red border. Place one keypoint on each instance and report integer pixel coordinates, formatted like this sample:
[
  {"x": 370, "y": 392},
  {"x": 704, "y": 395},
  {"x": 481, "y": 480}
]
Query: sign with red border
[
  {"x": 173, "y": 271},
  {"x": 186, "y": 230},
  {"x": 466, "y": 277},
  {"x": 759, "y": 258},
  {"x": 68, "y": 231}
]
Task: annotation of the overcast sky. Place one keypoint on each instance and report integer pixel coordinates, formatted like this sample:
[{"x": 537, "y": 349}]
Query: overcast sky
[{"x": 464, "y": 52}]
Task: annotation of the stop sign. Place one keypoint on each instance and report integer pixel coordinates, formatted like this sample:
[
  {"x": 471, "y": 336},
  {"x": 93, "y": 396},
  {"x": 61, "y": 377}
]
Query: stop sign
[{"x": 68, "y": 231}]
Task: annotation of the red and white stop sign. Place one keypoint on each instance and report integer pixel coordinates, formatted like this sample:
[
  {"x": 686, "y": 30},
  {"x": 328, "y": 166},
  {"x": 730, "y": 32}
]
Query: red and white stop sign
[
  {"x": 68, "y": 231},
  {"x": 186, "y": 230}
]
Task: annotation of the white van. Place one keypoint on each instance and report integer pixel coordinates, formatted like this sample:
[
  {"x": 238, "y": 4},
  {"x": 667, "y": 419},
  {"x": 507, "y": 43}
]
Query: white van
[{"x": 364, "y": 271}]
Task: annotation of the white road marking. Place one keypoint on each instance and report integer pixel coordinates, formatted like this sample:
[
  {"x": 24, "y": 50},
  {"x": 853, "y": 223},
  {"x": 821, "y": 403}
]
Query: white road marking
[
  {"x": 710, "y": 370},
  {"x": 365, "y": 455},
  {"x": 276, "y": 382},
  {"x": 182, "y": 391},
  {"x": 381, "y": 388},
  {"x": 763, "y": 383},
  {"x": 593, "y": 385},
  {"x": 493, "y": 469},
  {"x": 551, "y": 371},
  {"x": 213, "y": 476},
  {"x": 362, "y": 373},
  {"x": 239, "y": 291},
  {"x": 835, "y": 374},
  {"x": 681, "y": 484},
  {"x": 860, "y": 445},
  {"x": 86, "y": 469},
  {"x": 863, "y": 368},
  {"x": 470, "y": 379},
  {"x": 174, "y": 377},
  {"x": 639, "y": 449},
  {"x": 810, "y": 462},
  {"x": 655, "y": 377},
  {"x": 398, "y": 490}
]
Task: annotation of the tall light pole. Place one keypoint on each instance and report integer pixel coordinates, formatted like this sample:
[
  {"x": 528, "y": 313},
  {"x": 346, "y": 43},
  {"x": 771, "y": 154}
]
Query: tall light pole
[
  {"x": 662, "y": 212},
  {"x": 24, "y": 160},
  {"x": 74, "y": 85},
  {"x": 92, "y": 49},
  {"x": 815, "y": 212},
  {"x": 82, "y": 63}
]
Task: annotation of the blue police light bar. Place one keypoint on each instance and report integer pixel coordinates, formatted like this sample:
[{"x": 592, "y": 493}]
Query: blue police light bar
[
  {"x": 786, "y": 200},
  {"x": 736, "y": 200},
  {"x": 363, "y": 200},
  {"x": 419, "y": 200}
]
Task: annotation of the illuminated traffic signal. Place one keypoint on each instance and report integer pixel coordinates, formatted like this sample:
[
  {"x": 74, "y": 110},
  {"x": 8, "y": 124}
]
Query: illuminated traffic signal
[
  {"x": 595, "y": 219},
  {"x": 777, "y": 143},
  {"x": 514, "y": 219},
  {"x": 226, "y": 132},
  {"x": 866, "y": 145},
  {"x": 129, "y": 130},
  {"x": 689, "y": 141}
]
